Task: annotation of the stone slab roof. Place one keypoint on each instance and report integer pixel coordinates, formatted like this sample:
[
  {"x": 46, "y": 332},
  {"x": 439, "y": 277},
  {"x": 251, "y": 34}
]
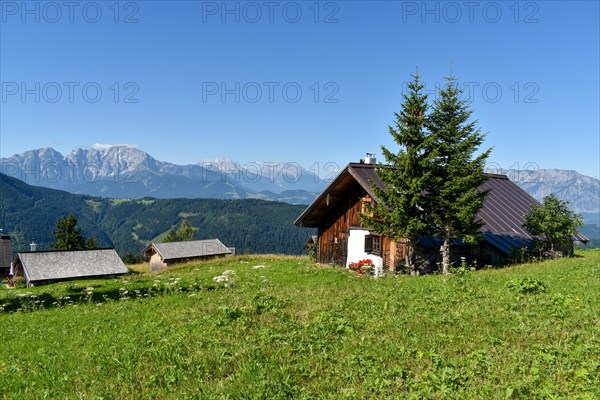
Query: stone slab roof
[
  {"x": 189, "y": 249},
  {"x": 62, "y": 265}
]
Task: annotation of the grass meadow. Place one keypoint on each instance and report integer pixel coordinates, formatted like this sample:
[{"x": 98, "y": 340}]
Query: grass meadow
[{"x": 272, "y": 327}]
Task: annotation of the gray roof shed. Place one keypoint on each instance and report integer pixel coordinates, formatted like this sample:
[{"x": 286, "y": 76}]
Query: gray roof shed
[
  {"x": 40, "y": 267},
  {"x": 187, "y": 250}
]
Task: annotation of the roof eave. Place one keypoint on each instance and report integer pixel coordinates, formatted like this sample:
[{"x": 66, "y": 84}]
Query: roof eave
[
  {"x": 198, "y": 256},
  {"x": 319, "y": 199},
  {"x": 368, "y": 188},
  {"x": 150, "y": 247}
]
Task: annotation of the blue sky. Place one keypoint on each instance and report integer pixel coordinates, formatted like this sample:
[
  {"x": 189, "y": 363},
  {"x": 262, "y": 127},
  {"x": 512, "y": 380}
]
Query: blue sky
[{"x": 301, "y": 82}]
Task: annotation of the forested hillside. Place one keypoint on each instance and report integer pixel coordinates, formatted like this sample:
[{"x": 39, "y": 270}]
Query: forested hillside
[
  {"x": 30, "y": 213},
  {"x": 255, "y": 226}
]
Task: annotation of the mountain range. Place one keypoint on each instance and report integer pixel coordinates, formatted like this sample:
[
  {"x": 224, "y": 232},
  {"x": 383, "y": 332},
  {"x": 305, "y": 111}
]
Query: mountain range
[
  {"x": 128, "y": 172},
  {"x": 582, "y": 192}
]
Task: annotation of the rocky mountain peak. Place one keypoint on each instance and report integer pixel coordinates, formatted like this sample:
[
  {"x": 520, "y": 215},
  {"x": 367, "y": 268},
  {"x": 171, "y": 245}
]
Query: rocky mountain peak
[{"x": 582, "y": 192}]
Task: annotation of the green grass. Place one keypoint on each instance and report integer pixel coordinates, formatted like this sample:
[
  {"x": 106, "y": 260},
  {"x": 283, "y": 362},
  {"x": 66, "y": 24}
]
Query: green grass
[
  {"x": 116, "y": 202},
  {"x": 188, "y": 214},
  {"x": 296, "y": 330},
  {"x": 96, "y": 206}
]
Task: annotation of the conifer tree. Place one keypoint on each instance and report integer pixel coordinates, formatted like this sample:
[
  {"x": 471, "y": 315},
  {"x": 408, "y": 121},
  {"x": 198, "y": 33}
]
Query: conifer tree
[
  {"x": 68, "y": 236},
  {"x": 398, "y": 212},
  {"x": 171, "y": 236},
  {"x": 454, "y": 198},
  {"x": 185, "y": 232},
  {"x": 91, "y": 243}
]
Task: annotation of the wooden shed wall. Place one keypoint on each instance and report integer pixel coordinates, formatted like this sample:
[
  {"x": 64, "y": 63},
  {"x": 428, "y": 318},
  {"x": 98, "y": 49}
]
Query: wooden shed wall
[
  {"x": 5, "y": 254},
  {"x": 335, "y": 227}
]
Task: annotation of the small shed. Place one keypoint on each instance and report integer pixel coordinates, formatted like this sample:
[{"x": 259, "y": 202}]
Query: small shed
[
  {"x": 42, "y": 267},
  {"x": 163, "y": 255},
  {"x": 5, "y": 254}
]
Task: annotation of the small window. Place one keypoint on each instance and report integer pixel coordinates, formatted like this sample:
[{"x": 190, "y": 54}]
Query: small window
[
  {"x": 373, "y": 244},
  {"x": 376, "y": 245},
  {"x": 368, "y": 244}
]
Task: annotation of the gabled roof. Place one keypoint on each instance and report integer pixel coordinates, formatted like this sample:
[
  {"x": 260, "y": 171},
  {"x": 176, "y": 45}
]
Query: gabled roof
[
  {"x": 502, "y": 213},
  {"x": 504, "y": 207},
  {"x": 189, "y": 249},
  {"x": 354, "y": 172},
  {"x": 60, "y": 265}
]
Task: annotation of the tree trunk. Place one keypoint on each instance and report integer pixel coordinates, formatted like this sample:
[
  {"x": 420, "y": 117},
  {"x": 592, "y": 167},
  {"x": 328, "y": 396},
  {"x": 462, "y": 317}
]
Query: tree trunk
[{"x": 445, "y": 250}]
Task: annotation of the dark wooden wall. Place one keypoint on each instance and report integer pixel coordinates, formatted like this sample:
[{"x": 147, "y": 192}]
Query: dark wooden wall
[{"x": 335, "y": 227}]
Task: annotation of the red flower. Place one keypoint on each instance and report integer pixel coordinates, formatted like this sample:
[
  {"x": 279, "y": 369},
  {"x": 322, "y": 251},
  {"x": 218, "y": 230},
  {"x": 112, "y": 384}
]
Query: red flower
[{"x": 358, "y": 266}]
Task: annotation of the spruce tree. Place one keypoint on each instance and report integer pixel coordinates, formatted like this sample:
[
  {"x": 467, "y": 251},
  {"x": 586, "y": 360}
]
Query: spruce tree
[
  {"x": 454, "y": 198},
  {"x": 68, "y": 236},
  {"x": 171, "y": 236},
  {"x": 398, "y": 212},
  {"x": 185, "y": 232},
  {"x": 91, "y": 243}
]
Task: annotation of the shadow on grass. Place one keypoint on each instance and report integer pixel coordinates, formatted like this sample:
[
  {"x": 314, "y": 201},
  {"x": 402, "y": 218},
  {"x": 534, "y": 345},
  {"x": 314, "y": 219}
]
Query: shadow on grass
[{"x": 24, "y": 301}]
